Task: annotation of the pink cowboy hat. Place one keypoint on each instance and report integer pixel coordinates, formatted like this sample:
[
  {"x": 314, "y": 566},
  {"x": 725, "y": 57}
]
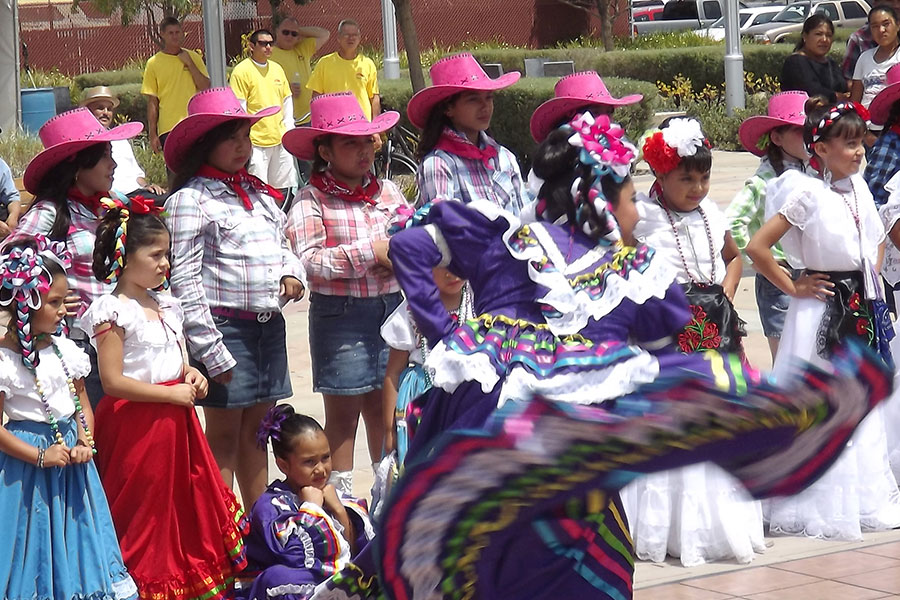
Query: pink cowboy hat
[
  {"x": 67, "y": 134},
  {"x": 207, "y": 110},
  {"x": 786, "y": 108},
  {"x": 880, "y": 108},
  {"x": 572, "y": 92},
  {"x": 452, "y": 75},
  {"x": 338, "y": 114}
]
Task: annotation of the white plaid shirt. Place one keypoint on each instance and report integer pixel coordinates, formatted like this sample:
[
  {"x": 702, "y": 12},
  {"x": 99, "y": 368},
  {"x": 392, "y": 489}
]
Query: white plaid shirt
[{"x": 225, "y": 256}]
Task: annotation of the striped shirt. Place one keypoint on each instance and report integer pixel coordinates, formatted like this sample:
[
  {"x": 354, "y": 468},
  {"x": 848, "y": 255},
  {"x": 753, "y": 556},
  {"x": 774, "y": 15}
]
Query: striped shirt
[
  {"x": 225, "y": 256},
  {"x": 80, "y": 244},
  {"x": 333, "y": 239},
  {"x": 446, "y": 176}
]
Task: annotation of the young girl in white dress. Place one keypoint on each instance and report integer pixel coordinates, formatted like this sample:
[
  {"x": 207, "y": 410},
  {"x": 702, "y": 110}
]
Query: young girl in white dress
[
  {"x": 697, "y": 513},
  {"x": 829, "y": 226}
]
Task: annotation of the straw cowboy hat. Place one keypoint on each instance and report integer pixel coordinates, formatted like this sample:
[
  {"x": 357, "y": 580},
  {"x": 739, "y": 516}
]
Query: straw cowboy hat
[
  {"x": 206, "y": 111},
  {"x": 452, "y": 75},
  {"x": 100, "y": 92},
  {"x": 65, "y": 135},
  {"x": 573, "y": 92},
  {"x": 786, "y": 108},
  {"x": 338, "y": 114},
  {"x": 880, "y": 108}
]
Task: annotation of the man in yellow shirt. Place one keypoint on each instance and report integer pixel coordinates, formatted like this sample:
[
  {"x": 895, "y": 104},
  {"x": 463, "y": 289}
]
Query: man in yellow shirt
[
  {"x": 172, "y": 76},
  {"x": 348, "y": 70},
  {"x": 294, "y": 48},
  {"x": 259, "y": 83}
]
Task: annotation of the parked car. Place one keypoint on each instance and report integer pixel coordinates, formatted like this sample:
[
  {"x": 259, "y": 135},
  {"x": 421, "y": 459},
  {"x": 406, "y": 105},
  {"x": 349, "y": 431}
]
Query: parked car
[
  {"x": 843, "y": 13},
  {"x": 641, "y": 15},
  {"x": 747, "y": 17},
  {"x": 683, "y": 14}
]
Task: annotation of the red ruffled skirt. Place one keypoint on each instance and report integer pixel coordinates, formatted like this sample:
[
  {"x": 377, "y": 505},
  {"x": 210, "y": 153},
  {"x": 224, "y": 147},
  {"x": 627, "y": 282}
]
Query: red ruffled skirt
[{"x": 179, "y": 526}]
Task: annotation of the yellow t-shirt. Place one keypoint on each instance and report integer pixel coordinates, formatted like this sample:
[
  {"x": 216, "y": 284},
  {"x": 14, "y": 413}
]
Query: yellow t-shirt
[
  {"x": 262, "y": 87},
  {"x": 335, "y": 74},
  {"x": 169, "y": 79},
  {"x": 296, "y": 63}
]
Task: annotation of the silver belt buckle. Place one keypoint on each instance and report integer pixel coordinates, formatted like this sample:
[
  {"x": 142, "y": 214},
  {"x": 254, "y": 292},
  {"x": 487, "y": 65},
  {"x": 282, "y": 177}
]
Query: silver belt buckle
[{"x": 264, "y": 316}]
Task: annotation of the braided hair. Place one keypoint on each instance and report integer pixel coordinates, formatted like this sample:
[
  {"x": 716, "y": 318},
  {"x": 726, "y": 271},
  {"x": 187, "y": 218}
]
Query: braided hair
[
  {"x": 123, "y": 228},
  {"x": 557, "y": 162},
  {"x": 25, "y": 274},
  {"x": 281, "y": 424}
]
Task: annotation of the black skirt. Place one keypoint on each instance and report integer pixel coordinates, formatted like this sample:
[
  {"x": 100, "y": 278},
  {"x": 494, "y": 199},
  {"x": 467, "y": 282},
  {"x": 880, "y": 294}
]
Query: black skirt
[
  {"x": 849, "y": 315},
  {"x": 715, "y": 324}
]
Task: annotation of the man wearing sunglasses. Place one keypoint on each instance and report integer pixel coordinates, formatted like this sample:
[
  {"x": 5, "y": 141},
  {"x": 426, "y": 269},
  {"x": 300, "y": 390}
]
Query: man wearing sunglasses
[
  {"x": 294, "y": 48},
  {"x": 259, "y": 83}
]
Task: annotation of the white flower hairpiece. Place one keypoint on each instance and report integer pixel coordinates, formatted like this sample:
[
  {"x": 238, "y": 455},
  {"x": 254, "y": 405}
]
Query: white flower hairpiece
[{"x": 684, "y": 135}]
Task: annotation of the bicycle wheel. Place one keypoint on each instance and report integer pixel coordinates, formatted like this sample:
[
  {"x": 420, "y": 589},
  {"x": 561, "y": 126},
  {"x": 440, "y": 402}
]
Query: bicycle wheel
[{"x": 401, "y": 165}]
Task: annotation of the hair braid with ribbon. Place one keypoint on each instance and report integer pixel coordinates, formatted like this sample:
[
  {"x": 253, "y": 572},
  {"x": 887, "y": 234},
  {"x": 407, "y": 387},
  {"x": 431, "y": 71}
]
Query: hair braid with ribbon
[
  {"x": 26, "y": 274},
  {"x": 123, "y": 226}
]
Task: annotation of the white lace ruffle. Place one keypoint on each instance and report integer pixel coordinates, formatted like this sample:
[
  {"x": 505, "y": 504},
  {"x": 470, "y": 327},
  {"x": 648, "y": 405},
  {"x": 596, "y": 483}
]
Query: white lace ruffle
[
  {"x": 586, "y": 386},
  {"x": 77, "y": 361},
  {"x": 698, "y": 514},
  {"x": 798, "y": 208},
  {"x": 577, "y": 308}
]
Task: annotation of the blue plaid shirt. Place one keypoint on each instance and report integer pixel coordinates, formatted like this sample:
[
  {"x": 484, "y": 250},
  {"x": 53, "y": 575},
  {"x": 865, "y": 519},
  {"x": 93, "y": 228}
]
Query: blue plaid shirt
[{"x": 883, "y": 162}]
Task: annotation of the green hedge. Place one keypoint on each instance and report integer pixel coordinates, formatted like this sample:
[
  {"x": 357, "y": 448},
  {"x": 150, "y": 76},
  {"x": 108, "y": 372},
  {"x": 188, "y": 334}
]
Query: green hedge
[
  {"x": 513, "y": 108},
  {"x": 110, "y": 78},
  {"x": 702, "y": 65}
]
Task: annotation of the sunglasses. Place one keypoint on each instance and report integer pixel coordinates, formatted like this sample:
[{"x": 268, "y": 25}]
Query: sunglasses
[
  {"x": 265, "y": 43},
  {"x": 290, "y": 33}
]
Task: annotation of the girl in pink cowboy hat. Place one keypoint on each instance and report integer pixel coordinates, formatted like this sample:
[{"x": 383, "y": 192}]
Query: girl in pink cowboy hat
[
  {"x": 233, "y": 270},
  {"x": 339, "y": 229},
  {"x": 458, "y": 159},
  {"x": 68, "y": 179},
  {"x": 575, "y": 94},
  {"x": 777, "y": 138}
]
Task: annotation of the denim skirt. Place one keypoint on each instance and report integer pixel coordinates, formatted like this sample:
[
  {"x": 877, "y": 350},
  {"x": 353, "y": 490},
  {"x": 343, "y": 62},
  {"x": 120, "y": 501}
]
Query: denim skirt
[
  {"x": 262, "y": 373},
  {"x": 348, "y": 354}
]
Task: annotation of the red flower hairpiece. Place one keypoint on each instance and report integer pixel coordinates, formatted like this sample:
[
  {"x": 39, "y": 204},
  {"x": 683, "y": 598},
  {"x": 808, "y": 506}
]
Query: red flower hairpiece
[
  {"x": 661, "y": 157},
  {"x": 141, "y": 205}
]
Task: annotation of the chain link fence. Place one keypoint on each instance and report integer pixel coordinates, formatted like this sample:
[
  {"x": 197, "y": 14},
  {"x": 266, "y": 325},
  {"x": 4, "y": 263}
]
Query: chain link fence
[{"x": 75, "y": 40}]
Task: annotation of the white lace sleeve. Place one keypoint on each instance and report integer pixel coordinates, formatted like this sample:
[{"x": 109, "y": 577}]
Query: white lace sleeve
[
  {"x": 397, "y": 330},
  {"x": 798, "y": 208},
  {"x": 110, "y": 309},
  {"x": 76, "y": 359}
]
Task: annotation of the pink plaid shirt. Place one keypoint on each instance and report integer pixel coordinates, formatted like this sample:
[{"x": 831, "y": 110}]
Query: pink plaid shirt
[
  {"x": 333, "y": 239},
  {"x": 79, "y": 242}
]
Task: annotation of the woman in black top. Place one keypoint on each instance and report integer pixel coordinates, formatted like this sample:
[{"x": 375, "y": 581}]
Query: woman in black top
[{"x": 809, "y": 69}]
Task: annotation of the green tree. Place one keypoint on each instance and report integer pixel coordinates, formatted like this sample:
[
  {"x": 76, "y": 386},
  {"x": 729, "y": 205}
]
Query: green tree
[
  {"x": 607, "y": 11},
  {"x": 154, "y": 10}
]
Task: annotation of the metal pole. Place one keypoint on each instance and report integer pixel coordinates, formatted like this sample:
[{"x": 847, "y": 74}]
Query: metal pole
[
  {"x": 734, "y": 59},
  {"x": 214, "y": 35},
  {"x": 17, "y": 65},
  {"x": 389, "y": 26}
]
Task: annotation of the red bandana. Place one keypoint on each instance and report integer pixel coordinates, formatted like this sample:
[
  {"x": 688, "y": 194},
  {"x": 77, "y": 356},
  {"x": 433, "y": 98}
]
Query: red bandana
[
  {"x": 451, "y": 142},
  {"x": 896, "y": 128},
  {"x": 92, "y": 203},
  {"x": 327, "y": 184},
  {"x": 236, "y": 179}
]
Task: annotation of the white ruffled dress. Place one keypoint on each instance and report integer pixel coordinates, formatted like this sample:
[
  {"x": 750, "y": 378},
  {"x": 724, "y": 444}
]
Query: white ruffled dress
[{"x": 859, "y": 492}]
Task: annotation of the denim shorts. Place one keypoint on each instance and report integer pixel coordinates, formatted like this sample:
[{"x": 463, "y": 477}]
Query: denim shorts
[
  {"x": 261, "y": 374},
  {"x": 348, "y": 354},
  {"x": 772, "y": 304}
]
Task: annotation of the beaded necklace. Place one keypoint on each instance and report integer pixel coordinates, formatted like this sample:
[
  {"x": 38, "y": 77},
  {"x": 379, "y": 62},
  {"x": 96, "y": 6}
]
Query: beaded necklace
[
  {"x": 709, "y": 239},
  {"x": 854, "y": 210},
  {"x": 464, "y": 311},
  {"x": 54, "y": 424}
]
